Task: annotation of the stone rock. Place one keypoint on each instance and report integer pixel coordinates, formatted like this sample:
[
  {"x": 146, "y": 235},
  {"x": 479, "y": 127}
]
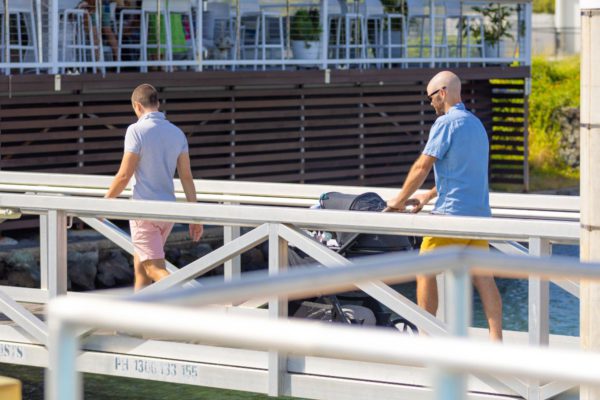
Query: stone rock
[
  {"x": 253, "y": 260},
  {"x": 192, "y": 254},
  {"x": 568, "y": 121},
  {"x": 172, "y": 254},
  {"x": 22, "y": 269},
  {"x": 82, "y": 269},
  {"x": 22, "y": 279},
  {"x": 114, "y": 270}
]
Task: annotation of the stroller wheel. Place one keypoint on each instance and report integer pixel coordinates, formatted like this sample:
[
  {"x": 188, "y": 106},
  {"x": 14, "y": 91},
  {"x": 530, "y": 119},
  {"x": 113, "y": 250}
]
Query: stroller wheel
[{"x": 404, "y": 326}]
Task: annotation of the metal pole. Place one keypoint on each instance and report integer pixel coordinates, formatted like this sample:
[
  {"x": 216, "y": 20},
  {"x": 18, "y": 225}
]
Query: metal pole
[
  {"x": 199, "y": 34},
  {"x": 590, "y": 185},
  {"x": 40, "y": 49},
  {"x": 53, "y": 39},
  {"x": 6, "y": 36},
  {"x": 324, "y": 33}
]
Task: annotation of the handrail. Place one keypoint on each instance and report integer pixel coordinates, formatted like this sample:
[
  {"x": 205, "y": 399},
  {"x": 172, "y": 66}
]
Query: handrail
[
  {"x": 298, "y": 195},
  {"x": 277, "y": 225},
  {"x": 390, "y": 223},
  {"x": 453, "y": 357}
]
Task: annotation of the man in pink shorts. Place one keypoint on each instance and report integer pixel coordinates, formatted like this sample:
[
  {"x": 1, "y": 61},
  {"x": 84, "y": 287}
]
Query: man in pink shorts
[{"x": 154, "y": 149}]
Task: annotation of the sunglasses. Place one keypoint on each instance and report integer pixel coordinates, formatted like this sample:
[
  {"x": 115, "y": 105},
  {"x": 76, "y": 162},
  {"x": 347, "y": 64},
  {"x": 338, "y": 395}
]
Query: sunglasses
[{"x": 430, "y": 96}]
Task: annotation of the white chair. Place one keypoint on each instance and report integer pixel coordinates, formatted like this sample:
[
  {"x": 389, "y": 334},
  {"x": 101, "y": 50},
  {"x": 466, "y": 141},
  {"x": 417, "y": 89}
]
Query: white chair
[
  {"x": 149, "y": 7},
  {"x": 78, "y": 36},
  {"x": 348, "y": 29},
  {"x": 256, "y": 33},
  {"x": 23, "y": 40},
  {"x": 385, "y": 41}
]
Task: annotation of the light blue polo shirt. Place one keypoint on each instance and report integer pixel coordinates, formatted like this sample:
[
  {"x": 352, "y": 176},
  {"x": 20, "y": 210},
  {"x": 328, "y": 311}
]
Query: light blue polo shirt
[
  {"x": 460, "y": 144},
  {"x": 158, "y": 143}
]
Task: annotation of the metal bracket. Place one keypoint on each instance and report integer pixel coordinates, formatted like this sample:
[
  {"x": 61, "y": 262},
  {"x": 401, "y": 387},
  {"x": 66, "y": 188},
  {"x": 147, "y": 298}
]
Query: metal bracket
[{"x": 589, "y": 126}]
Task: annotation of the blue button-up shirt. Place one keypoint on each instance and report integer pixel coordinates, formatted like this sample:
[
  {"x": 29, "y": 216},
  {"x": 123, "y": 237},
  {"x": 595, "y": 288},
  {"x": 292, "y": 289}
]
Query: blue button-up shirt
[{"x": 460, "y": 144}]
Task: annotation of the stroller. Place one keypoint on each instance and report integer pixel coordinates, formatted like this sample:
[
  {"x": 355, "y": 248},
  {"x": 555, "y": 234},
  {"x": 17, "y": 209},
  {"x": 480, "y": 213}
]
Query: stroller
[{"x": 354, "y": 245}]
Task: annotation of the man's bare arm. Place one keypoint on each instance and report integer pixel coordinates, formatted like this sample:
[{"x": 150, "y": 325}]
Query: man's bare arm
[
  {"x": 184, "y": 170},
  {"x": 416, "y": 176},
  {"x": 123, "y": 176}
]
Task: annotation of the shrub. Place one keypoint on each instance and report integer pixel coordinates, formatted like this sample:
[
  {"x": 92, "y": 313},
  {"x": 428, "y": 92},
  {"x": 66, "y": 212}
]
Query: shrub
[
  {"x": 555, "y": 84},
  {"x": 543, "y": 6}
]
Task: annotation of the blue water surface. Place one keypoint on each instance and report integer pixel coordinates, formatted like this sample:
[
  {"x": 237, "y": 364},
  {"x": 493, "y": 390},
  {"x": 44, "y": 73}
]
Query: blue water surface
[{"x": 564, "y": 307}]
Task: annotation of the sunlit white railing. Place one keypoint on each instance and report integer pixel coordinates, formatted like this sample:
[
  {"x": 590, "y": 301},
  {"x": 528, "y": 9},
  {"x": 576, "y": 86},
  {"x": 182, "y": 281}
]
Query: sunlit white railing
[
  {"x": 551, "y": 219},
  {"x": 448, "y": 358},
  {"x": 57, "y": 38}
]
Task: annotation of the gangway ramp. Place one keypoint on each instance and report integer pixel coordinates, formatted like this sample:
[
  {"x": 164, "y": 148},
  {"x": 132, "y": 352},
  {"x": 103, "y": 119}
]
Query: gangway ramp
[{"x": 277, "y": 214}]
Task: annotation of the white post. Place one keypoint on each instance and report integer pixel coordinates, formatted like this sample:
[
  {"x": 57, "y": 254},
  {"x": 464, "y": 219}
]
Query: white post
[
  {"x": 57, "y": 253},
  {"x": 324, "y": 33},
  {"x": 44, "y": 279},
  {"x": 277, "y": 309},
  {"x": 539, "y": 315},
  {"x": 452, "y": 384},
  {"x": 590, "y": 184},
  {"x": 6, "y": 38},
  {"x": 233, "y": 267},
  {"x": 64, "y": 382},
  {"x": 528, "y": 31},
  {"x": 53, "y": 39},
  {"x": 199, "y": 34}
]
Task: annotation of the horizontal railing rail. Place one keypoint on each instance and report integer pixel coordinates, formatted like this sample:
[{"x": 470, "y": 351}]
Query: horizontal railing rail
[
  {"x": 56, "y": 197},
  {"x": 450, "y": 358},
  {"x": 305, "y": 195}
]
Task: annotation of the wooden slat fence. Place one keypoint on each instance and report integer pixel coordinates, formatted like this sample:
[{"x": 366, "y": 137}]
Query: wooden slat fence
[{"x": 362, "y": 128}]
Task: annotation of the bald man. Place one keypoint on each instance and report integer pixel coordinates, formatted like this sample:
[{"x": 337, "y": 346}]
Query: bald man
[{"x": 458, "y": 151}]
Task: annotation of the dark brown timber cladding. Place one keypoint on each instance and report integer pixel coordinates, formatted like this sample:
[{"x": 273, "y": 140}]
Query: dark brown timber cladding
[{"x": 365, "y": 127}]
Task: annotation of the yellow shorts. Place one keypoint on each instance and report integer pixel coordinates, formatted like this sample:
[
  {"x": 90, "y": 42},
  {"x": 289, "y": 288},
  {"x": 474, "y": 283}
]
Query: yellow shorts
[{"x": 432, "y": 243}]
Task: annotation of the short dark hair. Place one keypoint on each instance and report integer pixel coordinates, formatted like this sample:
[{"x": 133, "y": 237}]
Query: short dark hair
[{"x": 146, "y": 95}]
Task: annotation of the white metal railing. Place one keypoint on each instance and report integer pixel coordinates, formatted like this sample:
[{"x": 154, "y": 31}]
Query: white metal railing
[
  {"x": 65, "y": 44},
  {"x": 449, "y": 358},
  {"x": 279, "y": 226}
]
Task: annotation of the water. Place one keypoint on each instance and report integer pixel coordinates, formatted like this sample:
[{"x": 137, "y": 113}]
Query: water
[{"x": 564, "y": 307}]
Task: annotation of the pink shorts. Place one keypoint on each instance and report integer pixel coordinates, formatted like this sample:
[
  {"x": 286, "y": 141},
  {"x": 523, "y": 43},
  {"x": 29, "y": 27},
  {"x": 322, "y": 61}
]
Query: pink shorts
[{"x": 149, "y": 238}]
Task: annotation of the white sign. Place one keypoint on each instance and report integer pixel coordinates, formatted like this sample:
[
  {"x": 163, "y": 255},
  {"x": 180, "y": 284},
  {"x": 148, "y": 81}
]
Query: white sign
[{"x": 589, "y": 4}]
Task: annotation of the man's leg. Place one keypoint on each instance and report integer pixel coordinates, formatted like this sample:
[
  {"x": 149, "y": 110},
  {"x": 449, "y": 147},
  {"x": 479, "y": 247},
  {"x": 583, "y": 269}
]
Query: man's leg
[
  {"x": 141, "y": 279},
  {"x": 155, "y": 269},
  {"x": 427, "y": 294},
  {"x": 492, "y": 303}
]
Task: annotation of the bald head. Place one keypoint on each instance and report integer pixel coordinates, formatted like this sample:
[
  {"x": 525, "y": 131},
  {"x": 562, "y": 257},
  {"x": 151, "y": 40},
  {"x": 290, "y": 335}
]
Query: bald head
[{"x": 447, "y": 98}]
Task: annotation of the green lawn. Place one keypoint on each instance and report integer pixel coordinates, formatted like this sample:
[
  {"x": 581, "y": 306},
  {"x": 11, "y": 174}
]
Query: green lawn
[{"x": 99, "y": 387}]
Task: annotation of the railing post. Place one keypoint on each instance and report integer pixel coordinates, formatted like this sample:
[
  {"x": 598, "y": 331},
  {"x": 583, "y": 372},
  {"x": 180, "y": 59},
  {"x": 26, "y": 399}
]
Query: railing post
[
  {"x": 64, "y": 382},
  {"x": 278, "y": 253},
  {"x": 443, "y": 299},
  {"x": 539, "y": 300},
  {"x": 44, "y": 280},
  {"x": 57, "y": 253},
  {"x": 452, "y": 384},
  {"x": 53, "y": 36},
  {"x": 324, "y": 34},
  {"x": 233, "y": 267}
]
